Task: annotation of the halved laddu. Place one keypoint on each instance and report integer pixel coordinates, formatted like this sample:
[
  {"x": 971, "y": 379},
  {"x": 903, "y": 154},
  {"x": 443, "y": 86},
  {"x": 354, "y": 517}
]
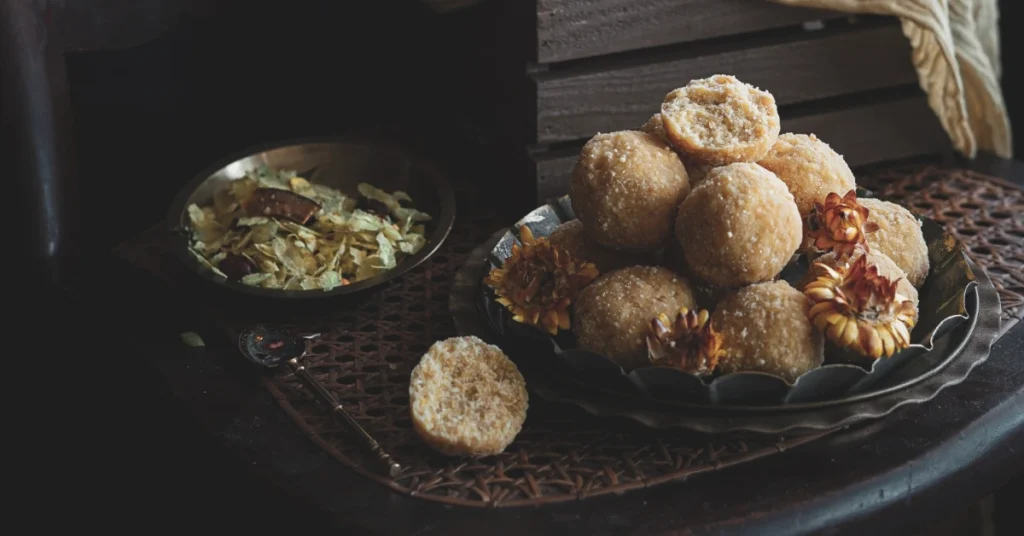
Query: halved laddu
[
  {"x": 720, "y": 120},
  {"x": 467, "y": 397}
]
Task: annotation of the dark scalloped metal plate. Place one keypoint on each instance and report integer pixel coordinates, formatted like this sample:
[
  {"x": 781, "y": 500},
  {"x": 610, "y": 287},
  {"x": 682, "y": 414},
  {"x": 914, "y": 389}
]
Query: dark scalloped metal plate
[{"x": 942, "y": 308}]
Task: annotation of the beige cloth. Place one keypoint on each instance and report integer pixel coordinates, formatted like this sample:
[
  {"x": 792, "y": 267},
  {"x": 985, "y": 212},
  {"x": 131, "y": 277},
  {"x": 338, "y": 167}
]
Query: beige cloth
[{"x": 956, "y": 52}]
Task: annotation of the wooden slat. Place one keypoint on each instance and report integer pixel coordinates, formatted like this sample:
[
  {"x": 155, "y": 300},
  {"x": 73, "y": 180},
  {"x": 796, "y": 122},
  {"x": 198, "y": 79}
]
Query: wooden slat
[
  {"x": 864, "y": 135},
  {"x": 571, "y": 29},
  {"x": 572, "y": 105}
]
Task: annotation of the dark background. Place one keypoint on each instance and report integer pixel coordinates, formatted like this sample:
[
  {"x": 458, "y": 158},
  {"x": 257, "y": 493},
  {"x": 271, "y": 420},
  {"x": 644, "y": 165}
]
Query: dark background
[{"x": 147, "y": 119}]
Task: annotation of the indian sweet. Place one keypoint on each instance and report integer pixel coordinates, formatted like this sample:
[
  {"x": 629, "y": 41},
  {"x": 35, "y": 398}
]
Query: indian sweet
[
  {"x": 739, "y": 226},
  {"x": 626, "y": 188}
]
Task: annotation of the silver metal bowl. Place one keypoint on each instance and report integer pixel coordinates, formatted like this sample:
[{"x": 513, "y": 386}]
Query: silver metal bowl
[{"x": 337, "y": 162}]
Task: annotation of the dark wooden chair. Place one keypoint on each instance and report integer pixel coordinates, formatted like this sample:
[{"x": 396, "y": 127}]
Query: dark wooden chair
[{"x": 35, "y": 36}]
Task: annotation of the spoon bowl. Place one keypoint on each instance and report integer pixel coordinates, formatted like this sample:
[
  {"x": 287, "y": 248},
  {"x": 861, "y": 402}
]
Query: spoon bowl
[{"x": 269, "y": 347}]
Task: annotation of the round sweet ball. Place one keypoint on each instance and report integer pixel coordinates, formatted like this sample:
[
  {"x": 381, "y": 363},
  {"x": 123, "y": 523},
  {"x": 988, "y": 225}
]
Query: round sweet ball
[
  {"x": 625, "y": 188},
  {"x": 810, "y": 168},
  {"x": 765, "y": 328},
  {"x": 885, "y": 265},
  {"x": 739, "y": 226},
  {"x": 613, "y": 313},
  {"x": 571, "y": 237},
  {"x": 466, "y": 397},
  {"x": 720, "y": 120},
  {"x": 899, "y": 237}
]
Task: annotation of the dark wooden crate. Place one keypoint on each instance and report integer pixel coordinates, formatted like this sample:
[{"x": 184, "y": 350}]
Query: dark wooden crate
[{"x": 556, "y": 72}]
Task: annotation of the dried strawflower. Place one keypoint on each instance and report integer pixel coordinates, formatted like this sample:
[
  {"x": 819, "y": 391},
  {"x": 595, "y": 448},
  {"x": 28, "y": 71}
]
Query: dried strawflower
[
  {"x": 859, "y": 309},
  {"x": 840, "y": 224},
  {"x": 689, "y": 343},
  {"x": 539, "y": 281}
]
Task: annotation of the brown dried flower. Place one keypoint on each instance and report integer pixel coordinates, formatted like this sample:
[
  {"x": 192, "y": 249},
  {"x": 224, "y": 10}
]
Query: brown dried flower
[
  {"x": 840, "y": 224},
  {"x": 539, "y": 281},
  {"x": 859, "y": 309},
  {"x": 689, "y": 343}
]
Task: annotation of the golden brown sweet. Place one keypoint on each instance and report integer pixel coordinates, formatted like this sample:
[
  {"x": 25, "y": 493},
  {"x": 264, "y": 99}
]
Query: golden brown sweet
[
  {"x": 765, "y": 329},
  {"x": 861, "y": 309},
  {"x": 720, "y": 120},
  {"x": 739, "y": 226},
  {"x": 626, "y": 188},
  {"x": 571, "y": 237},
  {"x": 899, "y": 236},
  {"x": 467, "y": 397},
  {"x": 810, "y": 169},
  {"x": 613, "y": 313}
]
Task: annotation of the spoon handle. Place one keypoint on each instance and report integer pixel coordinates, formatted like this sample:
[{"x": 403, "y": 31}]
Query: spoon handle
[{"x": 384, "y": 460}]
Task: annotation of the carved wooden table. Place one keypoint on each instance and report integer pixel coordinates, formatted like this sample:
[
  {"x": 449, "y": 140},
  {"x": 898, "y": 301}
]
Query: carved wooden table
[{"x": 886, "y": 475}]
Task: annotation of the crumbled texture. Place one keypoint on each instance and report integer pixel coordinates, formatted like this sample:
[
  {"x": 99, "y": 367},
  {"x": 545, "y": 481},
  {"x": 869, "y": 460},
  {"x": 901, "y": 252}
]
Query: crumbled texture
[
  {"x": 886, "y": 268},
  {"x": 571, "y": 237},
  {"x": 898, "y": 236},
  {"x": 466, "y": 397},
  {"x": 626, "y": 188},
  {"x": 765, "y": 329},
  {"x": 613, "y": 313},
  {"x": 720, "y": 120},
  {"x": 739, "y": 226},
  {"x": 810, "y": 168}
]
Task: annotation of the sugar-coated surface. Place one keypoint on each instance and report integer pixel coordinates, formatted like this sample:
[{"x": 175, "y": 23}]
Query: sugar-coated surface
[
  {"x": 572, "y": 238},
  {"x": 721, "y": 120},
  {"x": 886, "y": 267},
  {"x": 899, "y": 236},
  {"x": 467, "y": 397},
  {"x": 810, "y": 168},
  {"x": 696, "y": 170},
  {"x": 626, "y": 188},
  {"x": 612, "y": 314},
  {"x": 765, "y": 329},
  {"x": 739, "y": 226}
]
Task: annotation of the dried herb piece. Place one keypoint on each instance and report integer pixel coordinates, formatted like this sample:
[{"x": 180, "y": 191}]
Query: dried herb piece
[{"x": 275, "y": 203}]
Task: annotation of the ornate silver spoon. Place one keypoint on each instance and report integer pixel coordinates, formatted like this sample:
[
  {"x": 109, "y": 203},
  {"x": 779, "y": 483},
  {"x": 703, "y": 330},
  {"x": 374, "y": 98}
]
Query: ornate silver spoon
[{"x": 269, "y": 347}]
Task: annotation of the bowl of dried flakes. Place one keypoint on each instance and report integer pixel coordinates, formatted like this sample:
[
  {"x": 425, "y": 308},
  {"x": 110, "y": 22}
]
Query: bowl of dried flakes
[{"x": 311, "y": 219}]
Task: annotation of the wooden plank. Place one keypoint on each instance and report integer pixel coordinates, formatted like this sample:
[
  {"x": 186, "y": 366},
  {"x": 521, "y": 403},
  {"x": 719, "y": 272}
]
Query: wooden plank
[
  {"x": 572, "y": 105},
  {"x": 572, "y": 29},
  {"x": 867, "y": 134}
]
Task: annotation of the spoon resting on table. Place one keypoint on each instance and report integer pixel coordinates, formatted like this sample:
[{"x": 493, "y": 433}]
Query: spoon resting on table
[{"x": 269, "y": 347}]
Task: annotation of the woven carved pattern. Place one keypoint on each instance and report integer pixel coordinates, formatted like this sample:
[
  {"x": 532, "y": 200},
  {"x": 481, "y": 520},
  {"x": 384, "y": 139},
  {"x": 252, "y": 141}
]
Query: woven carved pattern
[
  {"x": 986, "y": 214},
  {"x": 364, "y": 356}
]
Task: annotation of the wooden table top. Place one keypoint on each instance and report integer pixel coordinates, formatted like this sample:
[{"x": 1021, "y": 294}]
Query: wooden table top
[{"x": 935, "y": 457}]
